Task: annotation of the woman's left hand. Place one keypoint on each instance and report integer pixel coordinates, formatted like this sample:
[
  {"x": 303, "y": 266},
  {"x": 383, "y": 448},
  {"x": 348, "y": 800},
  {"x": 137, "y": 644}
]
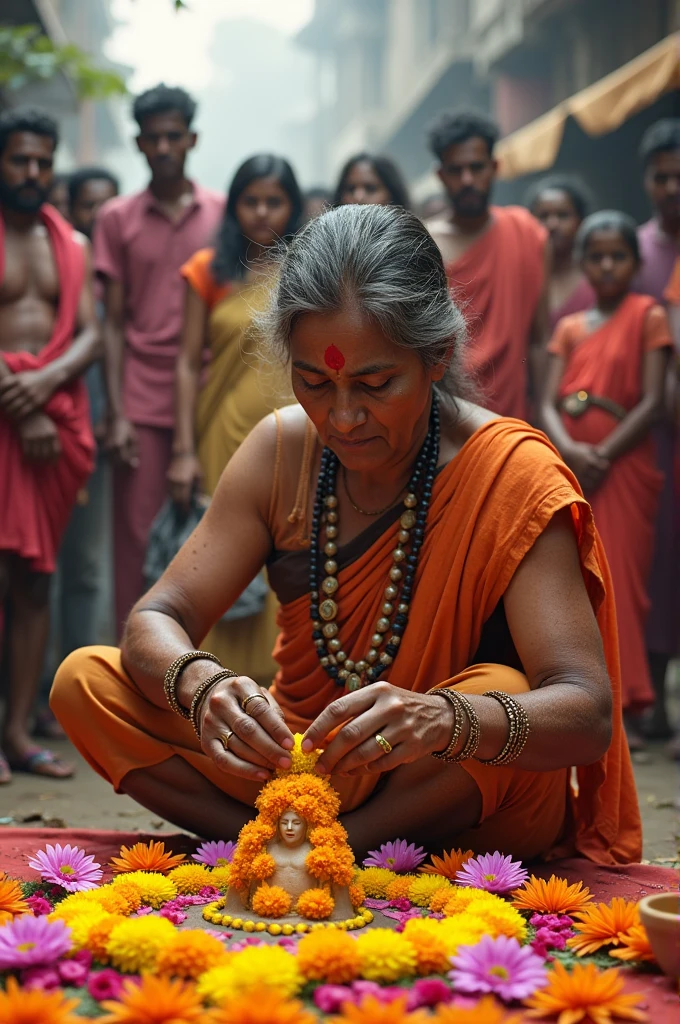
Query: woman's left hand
[{"x": 414, "y": 724}]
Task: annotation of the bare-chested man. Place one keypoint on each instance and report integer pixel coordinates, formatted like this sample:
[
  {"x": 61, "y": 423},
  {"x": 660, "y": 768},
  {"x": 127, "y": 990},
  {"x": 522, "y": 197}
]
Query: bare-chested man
[{"x": 48, "y": 336}]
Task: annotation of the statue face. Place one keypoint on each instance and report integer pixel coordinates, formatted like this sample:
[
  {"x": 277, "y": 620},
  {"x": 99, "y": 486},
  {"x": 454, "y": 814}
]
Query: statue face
[{"x": 292, "y": 828}]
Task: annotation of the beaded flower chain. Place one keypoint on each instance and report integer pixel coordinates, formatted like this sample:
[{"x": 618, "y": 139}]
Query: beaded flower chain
[{"x": 324, "y": 591}]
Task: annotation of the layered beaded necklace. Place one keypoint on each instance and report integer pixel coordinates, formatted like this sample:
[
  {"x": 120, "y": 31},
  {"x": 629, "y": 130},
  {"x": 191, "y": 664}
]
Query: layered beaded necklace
[{"x": 398, "y": 592}]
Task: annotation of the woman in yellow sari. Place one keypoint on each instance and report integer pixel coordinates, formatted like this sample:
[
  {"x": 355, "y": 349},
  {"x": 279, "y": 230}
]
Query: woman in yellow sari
[{"x": 227, "y": 285}]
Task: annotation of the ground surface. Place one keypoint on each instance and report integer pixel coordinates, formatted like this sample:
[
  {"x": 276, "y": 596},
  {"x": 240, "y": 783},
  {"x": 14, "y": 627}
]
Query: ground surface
[{"x": 88, "y": 802}]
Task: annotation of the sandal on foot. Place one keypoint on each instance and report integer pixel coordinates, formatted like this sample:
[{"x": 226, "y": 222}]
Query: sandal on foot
[
  {"x": 42, "y": 762},
  {"x": 5, "y": 771},
  {"x": 47, "y": 727}
]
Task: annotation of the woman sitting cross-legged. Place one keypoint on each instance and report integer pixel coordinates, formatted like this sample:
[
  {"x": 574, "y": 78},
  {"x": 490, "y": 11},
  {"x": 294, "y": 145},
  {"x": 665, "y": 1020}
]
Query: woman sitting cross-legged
[{"x": 443, "y": 592}]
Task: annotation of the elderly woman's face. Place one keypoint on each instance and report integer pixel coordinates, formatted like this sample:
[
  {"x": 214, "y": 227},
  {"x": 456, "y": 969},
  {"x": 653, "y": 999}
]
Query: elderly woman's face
[{"x": 366, "y": 396}]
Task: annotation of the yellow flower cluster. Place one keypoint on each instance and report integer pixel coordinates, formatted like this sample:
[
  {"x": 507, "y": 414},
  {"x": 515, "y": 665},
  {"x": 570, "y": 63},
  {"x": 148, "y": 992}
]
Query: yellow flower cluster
[
  {"x": 252, "y": 970},
  {"x": 385, "y": 956},
  {"x": 424, "y": 887},
  {"x": 191, "y": 953},
  {"x": 154, "y": 889},
  {"x": 374, "y": 881},
  {"x": 271, "y": 901},
  {"x": 189, "y": 879},
  {"x": 135, "y": 943},
  {"x": 328, "y": 955},
  {"x": 301, "y": 761},
  {"x": 315, "y": 904},
  {"x": 212, "y": 914}
]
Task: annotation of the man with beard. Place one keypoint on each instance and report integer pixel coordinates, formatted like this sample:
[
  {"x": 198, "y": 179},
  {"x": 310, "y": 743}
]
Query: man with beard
[
  {"x": 48, "y": 336},
  {"x": 659, "y": 242},
  {"x": 497, "y": 262},
  {"x": 140, "y": 243}
]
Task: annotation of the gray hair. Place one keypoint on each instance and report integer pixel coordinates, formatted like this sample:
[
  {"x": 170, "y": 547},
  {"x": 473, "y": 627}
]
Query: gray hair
[{"x": 384, "y": 260}]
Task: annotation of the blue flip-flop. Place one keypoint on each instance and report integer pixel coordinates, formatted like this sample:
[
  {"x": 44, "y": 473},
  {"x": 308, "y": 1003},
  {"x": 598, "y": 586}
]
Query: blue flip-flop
[{"x": 34, "y": 760}]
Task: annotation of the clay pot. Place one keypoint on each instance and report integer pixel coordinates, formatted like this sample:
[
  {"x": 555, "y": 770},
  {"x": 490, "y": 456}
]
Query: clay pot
[{"x": 660, "y": 914}]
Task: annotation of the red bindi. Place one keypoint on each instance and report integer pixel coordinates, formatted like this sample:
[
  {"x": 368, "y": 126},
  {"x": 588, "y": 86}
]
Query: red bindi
[{"x": 334, "y": 358}]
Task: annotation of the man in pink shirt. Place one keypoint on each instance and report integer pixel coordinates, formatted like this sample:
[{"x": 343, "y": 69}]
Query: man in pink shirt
[{"x": 140, "y": 243}]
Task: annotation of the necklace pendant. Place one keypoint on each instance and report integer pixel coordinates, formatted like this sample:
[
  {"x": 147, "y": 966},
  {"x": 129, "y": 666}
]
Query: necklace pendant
[{"x": 353, "y": 682}]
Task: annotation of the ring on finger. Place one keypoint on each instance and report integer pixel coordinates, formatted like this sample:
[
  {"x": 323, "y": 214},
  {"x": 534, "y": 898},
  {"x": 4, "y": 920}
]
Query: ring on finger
[
  {"x": 253, "y": 696},
  {"x": 225, "y": 737},
  {"x": 384, "y": 744}
]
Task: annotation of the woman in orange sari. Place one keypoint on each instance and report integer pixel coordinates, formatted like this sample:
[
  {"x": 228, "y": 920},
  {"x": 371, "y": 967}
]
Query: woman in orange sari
[
  {"x": 434, "y": 563},
  {"x": 605, "y": 389}
]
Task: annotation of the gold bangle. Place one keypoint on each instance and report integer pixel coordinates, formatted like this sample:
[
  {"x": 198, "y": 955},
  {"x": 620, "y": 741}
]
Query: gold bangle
[
  {"x": 470, "y": 748},
  {"x": 202, "y": 690},
  {"x": 446, "y": 754},
  {"x": 173, "y": 673},
  {"x": 519, "y": 729}
]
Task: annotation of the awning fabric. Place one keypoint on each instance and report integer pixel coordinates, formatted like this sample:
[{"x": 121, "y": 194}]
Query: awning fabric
[{"x": 599, "y": 109}]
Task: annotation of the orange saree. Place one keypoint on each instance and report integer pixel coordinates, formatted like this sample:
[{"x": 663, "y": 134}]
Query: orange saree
[{"x": 607, "y": 363}]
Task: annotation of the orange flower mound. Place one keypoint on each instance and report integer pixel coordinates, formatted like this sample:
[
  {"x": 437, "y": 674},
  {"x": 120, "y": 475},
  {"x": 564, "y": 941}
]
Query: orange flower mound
[
  {"x": 555, "y": 896},
  {"x": 146, "y": 857},
  {"x": 584, "y": 995},
  {"x": 262, "y": 1007},
  {"x": 331, "y": 863},
  {"x": 398, "y": 889},
  {"x": 634, "y": 945},
  {"x": 263, "y": 866},
  {"x": 12, "y": 900},
  {"x": 328, "y": 955},
  {"x": 603, "y": 925},
  {"x": 357, "y": 894},
  {"x": 271, "y": 901},
  {"x": 34, "y": 1006},
  {"x": 315, "y": 904},
  {"x": 190, "y": 953},
  {"x": 155, "y": 1001},
  {"x": 448, "y": 864},
  {"x": 328, "y": 835},
  {"x": 370, "y": 1011},
  {"x": 486, "y": 1011}
]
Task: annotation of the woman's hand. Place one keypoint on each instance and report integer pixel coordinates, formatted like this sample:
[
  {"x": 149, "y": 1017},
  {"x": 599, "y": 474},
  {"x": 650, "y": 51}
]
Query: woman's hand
[
  {"x": 257, "y": 738},
  {"x": 414, "y": 724},
  {"x": 588, "y": 464},
  {"x": 184, "y": 474}
]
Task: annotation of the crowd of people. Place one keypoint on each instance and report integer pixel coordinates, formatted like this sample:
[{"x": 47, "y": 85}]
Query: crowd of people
[{"x": 131, "y": 373}]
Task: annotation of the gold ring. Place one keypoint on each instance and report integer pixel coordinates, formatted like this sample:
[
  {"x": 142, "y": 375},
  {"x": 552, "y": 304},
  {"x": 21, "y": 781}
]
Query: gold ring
[
  {"x": 253, "y": 696},
  {"x": 384, "y": 744},
  {"x": 225, "y": 737}
]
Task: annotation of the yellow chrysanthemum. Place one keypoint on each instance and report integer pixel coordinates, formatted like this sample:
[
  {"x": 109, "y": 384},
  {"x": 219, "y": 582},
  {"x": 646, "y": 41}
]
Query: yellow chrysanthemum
[
  {"x": 219, "y": 877},
  {"x": 328, "y": 955},
  {"x": 399, "y": 888},
  {"x": 302, "y": 762},
  {"x": 99, "y": 934},
  {"x": 603, "y": 925},
  {"x": 424, "y": 887},
  {"x": 189, "y": 879},
  {"x": 374, "y": 881},
  {"x": 154, "y": 889},
  {"x": 252, "y": 970},
  {"x": 12, "y": 902},
  {"x": 385, "y": 955},
  {"x": 271, "y": 901},
  {"x": 155, "y": 1001},
  {"x": 462, "y": 930},
  {"x": 460, "y": 898},
  {"x": 145, "y": 857},
  {"x": 191, "y": 953},
  {"x": 35, "y": 1006},
  {"x": 555, "y": 896},
  {"x": 263, "y": 1008},
  {"x": 123, "y": 897},
  {"x": 501, "y": 918},
  {"x": 81, "y": 925},
  {"x": 584, "y": 994},
  {"x": 429, "y": 945},
  {"x": 135, "y": 943}
]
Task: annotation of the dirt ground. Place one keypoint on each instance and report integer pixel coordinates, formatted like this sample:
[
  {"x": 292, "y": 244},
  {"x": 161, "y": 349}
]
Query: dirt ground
[{"x": 88, "y": 802}]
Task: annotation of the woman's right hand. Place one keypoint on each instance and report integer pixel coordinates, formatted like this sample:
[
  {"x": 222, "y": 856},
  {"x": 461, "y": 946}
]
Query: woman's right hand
[
  {"x": 258, "y": 741},
  {"x": 589, "y": 466},
  {"x": 184, "y": 474}
]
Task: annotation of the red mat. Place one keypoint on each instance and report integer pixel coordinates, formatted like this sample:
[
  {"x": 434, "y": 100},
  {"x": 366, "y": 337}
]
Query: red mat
[{"x": 660, "y": 1001}]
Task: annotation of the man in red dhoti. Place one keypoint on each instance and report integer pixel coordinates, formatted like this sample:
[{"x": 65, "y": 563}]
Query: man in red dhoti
[
  {"x": 497, "y": 262},
  {"x": 48, "y": 336}
]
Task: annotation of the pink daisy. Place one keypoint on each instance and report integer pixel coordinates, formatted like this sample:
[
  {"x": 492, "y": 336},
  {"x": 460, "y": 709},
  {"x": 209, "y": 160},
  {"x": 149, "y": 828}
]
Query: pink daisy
[
  {"x": 67, "y": 866},
  {"x": 493, "y": 872},
  {"x": 215, "y": 854},
  {"x": 500, "y": 966},
  {"x": 29, "y": 941},
  {"x": 398, "y": 856}
]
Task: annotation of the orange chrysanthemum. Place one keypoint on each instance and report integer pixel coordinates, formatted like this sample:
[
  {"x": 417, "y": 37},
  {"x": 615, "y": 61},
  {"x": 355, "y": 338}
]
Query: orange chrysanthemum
[
  {"x": 486, "y": 1011},
  {"x": 328, "y": 835},
  {"x": 370, "y": 1011},
  {"x": 330, "y": 956},
  {"x": 398, "y": 889},
  {"x": 584, "y": 994},
  {"x": 271, "y": 901},
  {"x": 12, "y": 902},
  {"x": 263, "y": 866},
  {"x": 603, "y": 925},
  {"x": 331, "y": 863},
  {"x": 146, "y": 857},
  {"x": 315, "y": 904},
  {"x": 100, "y": 933},
  {"x": 634, "y": 945},
  {"x": 432, "y": 955},
  {"x": 555, "y": 896},
  {"x": 448, "y": 864},
  {"x": 155, "y": 1001},
  {"x": 262, "y": 1007},
  {"x": 190, "y": 953},
  {"x": 35, "y": 1006}
]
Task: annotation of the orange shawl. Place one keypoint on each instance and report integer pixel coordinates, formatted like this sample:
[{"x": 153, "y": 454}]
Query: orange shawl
[
  {"x": 489, "y": 505},
  {"x": 498, "y": 282}
]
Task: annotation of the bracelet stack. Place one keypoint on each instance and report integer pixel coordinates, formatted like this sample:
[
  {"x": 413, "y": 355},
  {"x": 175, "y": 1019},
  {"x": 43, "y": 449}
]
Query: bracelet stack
[
  {"x": 517, "y": 737},
  {"x": 202, "y": 691},
  {"x": 173, "y": 673},
  {"x": 519, "y": 728}
]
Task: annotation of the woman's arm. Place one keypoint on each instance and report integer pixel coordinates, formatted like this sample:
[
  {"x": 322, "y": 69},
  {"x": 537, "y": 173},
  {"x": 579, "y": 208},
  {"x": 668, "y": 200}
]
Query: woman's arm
[
  {"x": 589, "y": 465},
  {"x": 184, "y": 470},
  {"x": 635, "y": 427}
]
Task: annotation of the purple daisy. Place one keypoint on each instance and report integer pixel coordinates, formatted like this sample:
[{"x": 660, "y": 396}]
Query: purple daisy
[
  {"x": 29, "y": 941},
  {"x": 68, "y": 867},
  {"x": 493, "y": 872},
  {"x": 398, "y": 856},
  {"x": 215, "y": 854},
  {"x": 498, "y": 965}
]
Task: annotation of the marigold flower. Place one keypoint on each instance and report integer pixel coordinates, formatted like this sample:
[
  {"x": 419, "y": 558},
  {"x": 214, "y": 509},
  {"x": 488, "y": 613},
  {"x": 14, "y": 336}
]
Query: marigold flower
[
  {"x": 328, "y": 955},
  {"x": 374, "y": 881},
  {"x": 253, "y": 970},
  {"x": 191, "y": 953},
  {"x": 373, "y": 1011},
  {"x": 634, "y": 945},
  {"x": 603, "y": 925},
  {"x": 398, "y": 889},
  {"x": 263, "y": 1008},
  {"x": 315, "y": 904},
  {"x": 124, "y": 897},
  {"x": 271, "y": 901},
  {"x": 328, "y": 835},
  {"x": 430, "y": 946},
  {"x": 423, "y": 888},
  {"x": 221, "y": 877},
  {"x": 331, "y": 863},
  {"x": 357, "y": 894},
  {"x": 189, "y": 879},
  {"x": 99, "y": 933},
  {"x": 36, "y": 1006},
  {"x": 82, "y": 924},
  {"x": 486, "y": 1011},
  {"x": 154, "y": 889},
  {"x": 555, "y": 896},
  {"x": 263, "y": 866},
  {"x": 12, "y": 900},
  {"x": 461, "y": 898},
  {"x": 155, "y": 1001},
  {"x": 448, "y": 864},
  {"x": 385, "y": 955},
  {"x": 301, "y": 760},
  {"x": 584, "y": 994},
  {"x": 500, "y": 917},
  {"x": 462, "y": 930},
  {"x": 135, "y": 943},
  {"x": 146, "y": 857}
]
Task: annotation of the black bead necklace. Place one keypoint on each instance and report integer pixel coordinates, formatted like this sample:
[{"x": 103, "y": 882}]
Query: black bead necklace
[{"x": 399, "y": 591}]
